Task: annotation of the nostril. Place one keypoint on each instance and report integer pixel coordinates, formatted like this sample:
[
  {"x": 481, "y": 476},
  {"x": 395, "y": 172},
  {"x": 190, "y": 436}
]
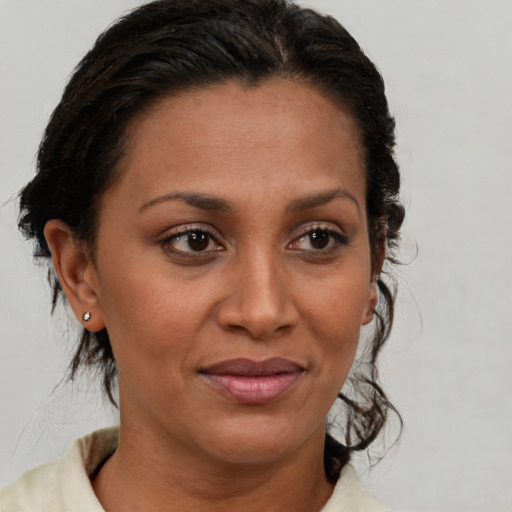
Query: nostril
[
  {"x": 237, "y": 329},
  {"x": 258, "y": 330}
]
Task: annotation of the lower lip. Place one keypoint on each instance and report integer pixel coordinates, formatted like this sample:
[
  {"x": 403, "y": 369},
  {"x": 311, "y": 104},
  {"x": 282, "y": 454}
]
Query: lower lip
[{"x": 252, "y": 389}]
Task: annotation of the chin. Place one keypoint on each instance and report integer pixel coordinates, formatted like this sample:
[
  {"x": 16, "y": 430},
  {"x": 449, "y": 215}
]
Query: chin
[{"x": 260, "y": 442}]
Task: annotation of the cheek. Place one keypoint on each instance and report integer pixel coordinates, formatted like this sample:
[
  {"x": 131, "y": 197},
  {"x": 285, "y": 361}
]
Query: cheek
[
  {"x": 337, "y": 305},
  {"x": 148, "y": 312},
  {"x": 161, "y": 322},
  {"x": 334, "y": 314},
  {"x": 152, "y": 330}
]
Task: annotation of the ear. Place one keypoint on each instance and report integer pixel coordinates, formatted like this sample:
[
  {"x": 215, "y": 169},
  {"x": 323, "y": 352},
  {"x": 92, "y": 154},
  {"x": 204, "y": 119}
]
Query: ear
[
  {"x": 373, "y": 294},
  {"x": 373, "y": 299},
  {"x": 76, "y": 272}
]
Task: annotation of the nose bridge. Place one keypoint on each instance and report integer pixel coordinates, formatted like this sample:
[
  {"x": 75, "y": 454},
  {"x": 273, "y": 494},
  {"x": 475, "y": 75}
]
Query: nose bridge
[
  {"x": 260, "y": 278},
  {"x": 260, "y": 302}
]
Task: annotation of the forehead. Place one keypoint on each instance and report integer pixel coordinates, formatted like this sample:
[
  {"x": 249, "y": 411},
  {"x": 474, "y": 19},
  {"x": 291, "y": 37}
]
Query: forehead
[
  {"x": 272, "y": 131},
  {"x": 231, "y": 109}
]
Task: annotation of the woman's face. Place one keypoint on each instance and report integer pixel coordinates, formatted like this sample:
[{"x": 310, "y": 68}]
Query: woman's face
[{"x": 233, "y": 268}]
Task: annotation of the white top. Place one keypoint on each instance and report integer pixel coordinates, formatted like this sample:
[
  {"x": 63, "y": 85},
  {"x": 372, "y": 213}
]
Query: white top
[{"x": 64, "y": 485}]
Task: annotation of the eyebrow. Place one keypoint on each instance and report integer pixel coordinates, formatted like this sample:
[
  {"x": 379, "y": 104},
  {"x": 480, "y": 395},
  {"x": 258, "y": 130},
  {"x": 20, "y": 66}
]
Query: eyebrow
[
  {"x": 201, "y": 201},
  {"x": 319, "y": 199},
  {"x": 213, "y": 203}
]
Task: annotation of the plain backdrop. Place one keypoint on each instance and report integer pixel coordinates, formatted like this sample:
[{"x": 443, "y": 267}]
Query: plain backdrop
[{"x": 448, "y": 70}]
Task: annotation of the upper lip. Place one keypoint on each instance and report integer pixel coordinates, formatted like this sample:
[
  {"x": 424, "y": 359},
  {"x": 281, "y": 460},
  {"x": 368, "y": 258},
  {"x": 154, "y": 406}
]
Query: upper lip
[{"x": 248, "y": 367}]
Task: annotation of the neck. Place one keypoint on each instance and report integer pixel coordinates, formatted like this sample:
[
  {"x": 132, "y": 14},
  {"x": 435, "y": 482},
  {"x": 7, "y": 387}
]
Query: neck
[{"x": 146, "y": 474}]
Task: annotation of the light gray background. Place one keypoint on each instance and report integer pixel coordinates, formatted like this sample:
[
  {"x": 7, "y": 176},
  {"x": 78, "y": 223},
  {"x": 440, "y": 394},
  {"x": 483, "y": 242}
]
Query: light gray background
[{"x": 448, "y": 70}]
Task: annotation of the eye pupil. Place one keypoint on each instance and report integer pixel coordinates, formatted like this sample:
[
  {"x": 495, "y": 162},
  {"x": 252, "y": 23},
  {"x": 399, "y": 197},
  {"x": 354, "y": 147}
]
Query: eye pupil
[
  {"x": 198, "y": 240},
  {"x": 319, "y": 239}
]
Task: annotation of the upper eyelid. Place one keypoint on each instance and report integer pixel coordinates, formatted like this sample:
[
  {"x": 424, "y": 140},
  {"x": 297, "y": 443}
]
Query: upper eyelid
[
  {"x": 166, "y": 241},
  {"x": 321, "y": 226},
  {"x": 183, "y": 229},
  {"x": 170, "y": 234},
  {"x": 335, "y": 232},
  {"x": 294, "y": 234}
]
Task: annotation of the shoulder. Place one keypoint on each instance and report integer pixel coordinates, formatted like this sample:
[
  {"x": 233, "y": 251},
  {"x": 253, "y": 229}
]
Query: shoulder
[
  {"x": 35, "y": 488},
  {"x": 349, "y": 496},
  {"x": 63, "y": 484}
]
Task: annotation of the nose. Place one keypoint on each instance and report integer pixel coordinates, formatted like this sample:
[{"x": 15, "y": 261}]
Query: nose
[{"x": 259, "y": 303}]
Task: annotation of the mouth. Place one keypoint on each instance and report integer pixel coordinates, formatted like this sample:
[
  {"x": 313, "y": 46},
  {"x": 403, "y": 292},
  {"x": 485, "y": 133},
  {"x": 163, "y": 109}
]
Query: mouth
[{"x": 253, "y": 382}]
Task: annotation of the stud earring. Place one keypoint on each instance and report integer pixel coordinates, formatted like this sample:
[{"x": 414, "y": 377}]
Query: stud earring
[{"x": 86, "y": 317}]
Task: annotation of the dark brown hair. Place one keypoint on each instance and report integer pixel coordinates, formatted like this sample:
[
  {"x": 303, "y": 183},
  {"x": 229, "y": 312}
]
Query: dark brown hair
[{"x": 173, "y": 45}]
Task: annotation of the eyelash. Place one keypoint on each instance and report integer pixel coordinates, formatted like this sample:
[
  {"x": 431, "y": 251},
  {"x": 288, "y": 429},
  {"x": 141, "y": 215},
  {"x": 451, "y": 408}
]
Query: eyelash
[
  {"x": 186, "y": 231},
  {"x": 339, "y": 240},
  {"x": 336, "y": 240}
]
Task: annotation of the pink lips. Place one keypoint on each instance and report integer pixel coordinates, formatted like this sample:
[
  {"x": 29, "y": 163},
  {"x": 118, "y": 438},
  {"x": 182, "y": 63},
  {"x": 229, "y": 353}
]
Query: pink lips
[{"x": 251, "y": 382}]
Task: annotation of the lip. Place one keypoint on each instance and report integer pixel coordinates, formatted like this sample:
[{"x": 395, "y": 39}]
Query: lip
[{"x": 253, "y": 382}]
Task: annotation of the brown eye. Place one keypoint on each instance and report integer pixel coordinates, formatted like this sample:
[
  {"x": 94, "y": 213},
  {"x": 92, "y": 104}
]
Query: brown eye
[
  {"x": 190, "y": 242},
  {"x": 319, "y": 239},
  {"x": 198, "y": 241}
]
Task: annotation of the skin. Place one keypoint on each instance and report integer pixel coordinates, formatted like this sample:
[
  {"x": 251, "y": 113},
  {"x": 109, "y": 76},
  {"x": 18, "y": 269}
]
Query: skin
[{"x": 285, "y": 162}]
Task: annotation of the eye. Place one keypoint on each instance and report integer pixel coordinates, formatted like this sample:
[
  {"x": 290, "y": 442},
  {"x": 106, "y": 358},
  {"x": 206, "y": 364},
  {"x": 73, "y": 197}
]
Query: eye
[
  {"x": 191, "y": 241},
  {"x": 319, "y": 239}
]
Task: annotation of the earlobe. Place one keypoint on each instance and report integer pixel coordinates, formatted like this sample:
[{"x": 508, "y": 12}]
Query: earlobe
[{"x": 76, "y": 273}]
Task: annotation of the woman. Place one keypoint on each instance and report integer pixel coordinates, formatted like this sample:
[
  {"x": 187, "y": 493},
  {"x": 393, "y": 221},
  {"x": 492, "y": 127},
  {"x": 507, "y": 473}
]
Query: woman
[{"x": 217, "y": 193}]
